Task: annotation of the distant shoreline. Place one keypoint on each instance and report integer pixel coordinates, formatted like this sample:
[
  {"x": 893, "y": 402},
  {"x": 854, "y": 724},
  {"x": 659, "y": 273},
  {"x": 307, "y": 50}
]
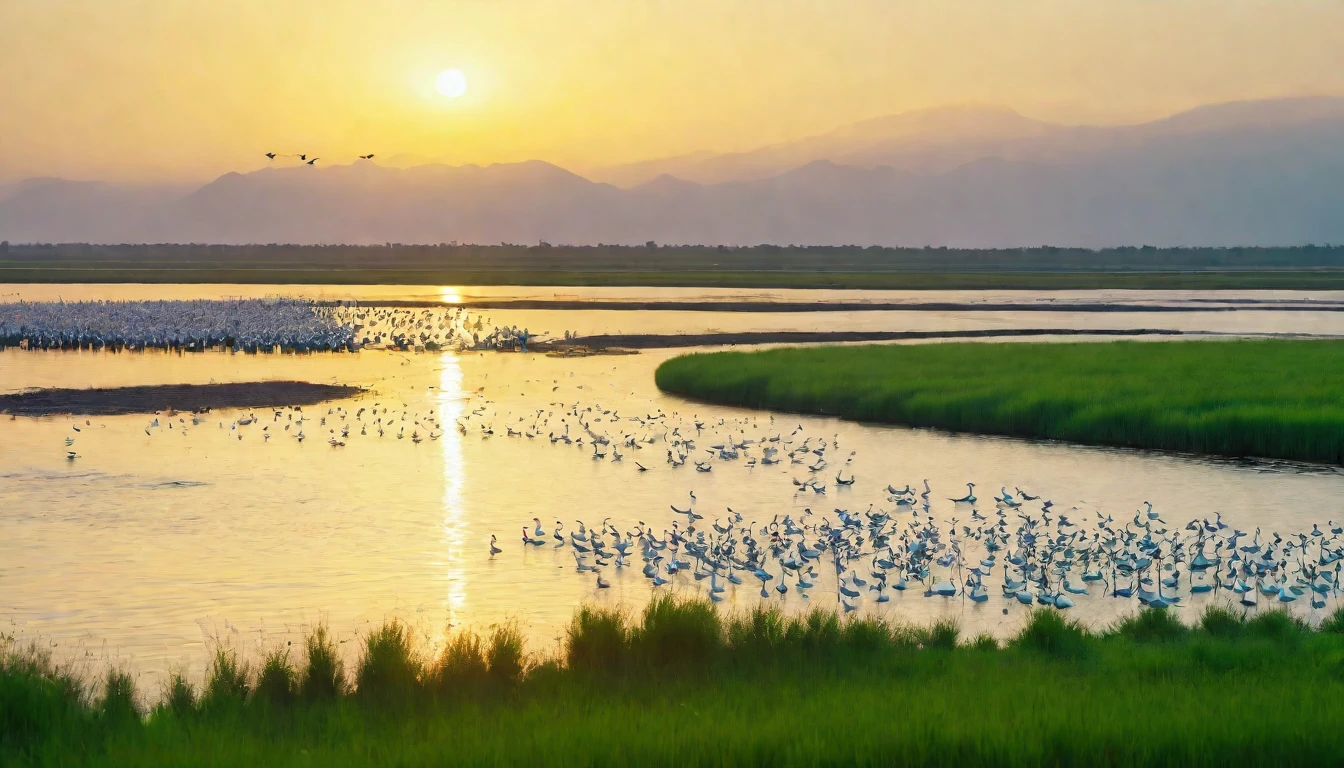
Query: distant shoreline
[
  {"x": 680, "y": 340},
  {"x": 1299, "y": 279},
  {"x": 837, "y": 306}
]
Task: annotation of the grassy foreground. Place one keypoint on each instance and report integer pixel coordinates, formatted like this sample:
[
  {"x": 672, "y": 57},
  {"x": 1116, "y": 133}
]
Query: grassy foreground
[
  {"x": 684, "y": 685},
  {"x": 1276, "y": 399}
]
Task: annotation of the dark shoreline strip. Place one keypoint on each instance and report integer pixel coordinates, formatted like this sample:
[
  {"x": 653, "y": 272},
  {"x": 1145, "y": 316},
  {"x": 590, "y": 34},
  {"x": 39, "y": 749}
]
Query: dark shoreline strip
[
  {"x": 182, "y": 397},
  {"x": 670, "y": 341},
  {"x": 813, "y": 306}
]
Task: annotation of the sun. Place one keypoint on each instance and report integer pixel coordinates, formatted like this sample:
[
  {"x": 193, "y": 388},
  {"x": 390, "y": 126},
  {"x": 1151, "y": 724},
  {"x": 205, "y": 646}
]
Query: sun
[{"x": 451, "y": 83}]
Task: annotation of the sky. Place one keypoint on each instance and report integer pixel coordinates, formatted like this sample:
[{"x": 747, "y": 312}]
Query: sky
[{"x": 184, "y": 90}]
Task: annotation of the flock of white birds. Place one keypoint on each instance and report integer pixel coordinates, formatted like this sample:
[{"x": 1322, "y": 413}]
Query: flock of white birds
[
  {"x": 1013, "y": 544},
  {"x": 249, "y": 325}
]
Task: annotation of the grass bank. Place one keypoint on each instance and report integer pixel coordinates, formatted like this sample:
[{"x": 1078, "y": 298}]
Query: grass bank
[
  {"x": 335, "y": 274},
  {"x": 1276, "y": 399},
  {"x": 681, "y": 684}
]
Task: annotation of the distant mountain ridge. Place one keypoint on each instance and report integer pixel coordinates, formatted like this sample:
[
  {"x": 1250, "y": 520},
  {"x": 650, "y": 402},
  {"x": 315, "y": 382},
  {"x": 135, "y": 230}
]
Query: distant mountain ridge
[
  {"x": 1246, "y": 173},
  {"x": 889, "y": 140}
]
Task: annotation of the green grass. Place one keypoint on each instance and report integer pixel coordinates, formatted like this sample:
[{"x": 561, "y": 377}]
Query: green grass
[
  {"x": 1281, "y": 279},
  {"x": 683, "y": 685},
  {"x": 1278, "y": 399}
]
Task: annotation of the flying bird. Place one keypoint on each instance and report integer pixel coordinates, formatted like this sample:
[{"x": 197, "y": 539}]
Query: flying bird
[
  {"x": 270, "y": 155},
  {"x": 366, "y": 157},
  {"x": 314, "y": 160}
]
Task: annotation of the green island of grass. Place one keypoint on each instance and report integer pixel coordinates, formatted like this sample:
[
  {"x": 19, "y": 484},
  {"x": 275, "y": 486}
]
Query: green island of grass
[
  {"x": 1278, "y": 399},
  {"x": 684, "y": 685}
]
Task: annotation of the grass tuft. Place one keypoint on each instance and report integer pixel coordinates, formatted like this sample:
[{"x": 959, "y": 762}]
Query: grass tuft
[
  {"x": 278, "y": 681},
  {"x": 389, "y": 670},
  {"x": 226, "y": 682},
  {"x": 942, "y": 634},
  {"x": 984, "y": 642},
  {"x": 1334, "y": 623},
  {"x": 118, "y": 703},
  {"x": 1151, "y": 625},
  {"x": 597, "y": 640},
  {"x": 179, "y": 695},
  {"x": 819, "y": 631},
  {"x": 461, "y": 664},
  {"x": 764, "y": 630},
  {"x": 1277, "y": 624},
  {"x": 324, "y": 675},
  {"x": 1048, "y": 632},
  {"x": 36, "y": 696},
  {"x": 677, "y": 632},
  {"x": 505, "y": 654},
  {"x": 1223, "y": 621},
  {"x": 865, "y": 636}
]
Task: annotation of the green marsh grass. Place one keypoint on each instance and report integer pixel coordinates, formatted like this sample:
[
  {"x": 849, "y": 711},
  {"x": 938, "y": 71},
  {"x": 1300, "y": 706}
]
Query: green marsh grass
[
  {"x": 227, "y": 681},
  {"x": 696, "y": 687},
  {"x": 324, "y": 674},
  {"x": 461, "y": 665},
  {"x": 179, "y": 695},
  {"x": 277, "y": 682},
  {"x": 505, "y": 656},
  {"x": 1281, "y": 399},
  {"x": 1151, "y": 625},
  {"x": 597, "y": 640},
  {"x": 390, "y": 669}
]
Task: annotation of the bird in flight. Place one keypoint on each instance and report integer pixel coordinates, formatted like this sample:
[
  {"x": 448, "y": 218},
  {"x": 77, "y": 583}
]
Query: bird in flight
[
  {"x": 366, "y": 157},
  {"x": 270, "y": 155},
  {"x": 314, "y": 160}
]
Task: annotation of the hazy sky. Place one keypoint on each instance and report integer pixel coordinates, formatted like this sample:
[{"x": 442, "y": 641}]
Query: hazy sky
[{"x": 187, "y": 89}]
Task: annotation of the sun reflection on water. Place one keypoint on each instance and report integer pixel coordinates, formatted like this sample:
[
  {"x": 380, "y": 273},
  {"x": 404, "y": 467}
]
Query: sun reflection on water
[{"x": 451, "y": 408}]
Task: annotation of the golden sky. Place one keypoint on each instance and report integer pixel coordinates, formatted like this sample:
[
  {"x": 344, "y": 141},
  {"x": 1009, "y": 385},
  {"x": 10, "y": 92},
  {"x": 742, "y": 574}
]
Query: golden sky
[{"x": 188, "y": 89}]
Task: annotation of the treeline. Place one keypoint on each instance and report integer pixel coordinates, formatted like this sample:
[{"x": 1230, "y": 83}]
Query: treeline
[{"x": 653, "y": 256}]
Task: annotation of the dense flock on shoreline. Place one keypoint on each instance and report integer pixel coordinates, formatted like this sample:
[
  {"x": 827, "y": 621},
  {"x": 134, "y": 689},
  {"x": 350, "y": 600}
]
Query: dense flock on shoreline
[{"x": 249, "y": 325}]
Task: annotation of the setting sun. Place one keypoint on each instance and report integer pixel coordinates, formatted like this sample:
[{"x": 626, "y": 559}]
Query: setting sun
[{"x": 451, "y": 83}]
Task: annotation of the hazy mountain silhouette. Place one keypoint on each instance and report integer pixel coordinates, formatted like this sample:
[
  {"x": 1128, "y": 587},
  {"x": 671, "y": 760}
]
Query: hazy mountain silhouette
[
  {"x": 928, "y": 140},
  {"x": 48, "y": 209},
  {"x": 1268, "y": 172}
]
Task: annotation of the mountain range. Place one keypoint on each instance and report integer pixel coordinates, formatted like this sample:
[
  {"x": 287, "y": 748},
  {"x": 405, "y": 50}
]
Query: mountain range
[{"x": 1267, "y": 172}]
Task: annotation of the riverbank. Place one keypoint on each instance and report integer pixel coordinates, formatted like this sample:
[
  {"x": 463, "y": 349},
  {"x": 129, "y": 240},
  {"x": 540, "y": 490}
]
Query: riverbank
[
  {"x": 682, "y": 684},
  {"x": 1278, "y": 399},
  {"x": 678, "y": 340},
  {"x": 158, "y": 273}
]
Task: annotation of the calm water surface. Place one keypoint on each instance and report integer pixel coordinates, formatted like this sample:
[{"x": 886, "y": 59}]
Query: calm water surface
[{"x": 149, "y": 547}]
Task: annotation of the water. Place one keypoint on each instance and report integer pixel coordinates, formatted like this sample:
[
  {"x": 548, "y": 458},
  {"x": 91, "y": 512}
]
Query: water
[{"x": 149, "y": 547}]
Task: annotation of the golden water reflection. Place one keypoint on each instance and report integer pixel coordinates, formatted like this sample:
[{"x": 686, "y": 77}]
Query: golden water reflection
[{"x": 451, "y": 407}]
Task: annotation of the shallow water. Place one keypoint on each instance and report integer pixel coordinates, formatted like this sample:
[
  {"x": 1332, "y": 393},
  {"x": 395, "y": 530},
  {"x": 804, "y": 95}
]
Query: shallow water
[
  {"x": 1257, "y": 312},
  {"x": 148, "y": 546}
]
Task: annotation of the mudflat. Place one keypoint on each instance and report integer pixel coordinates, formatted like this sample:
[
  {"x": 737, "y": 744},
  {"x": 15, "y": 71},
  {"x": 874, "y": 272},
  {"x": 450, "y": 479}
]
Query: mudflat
[{"x": 181, "y": 397}]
